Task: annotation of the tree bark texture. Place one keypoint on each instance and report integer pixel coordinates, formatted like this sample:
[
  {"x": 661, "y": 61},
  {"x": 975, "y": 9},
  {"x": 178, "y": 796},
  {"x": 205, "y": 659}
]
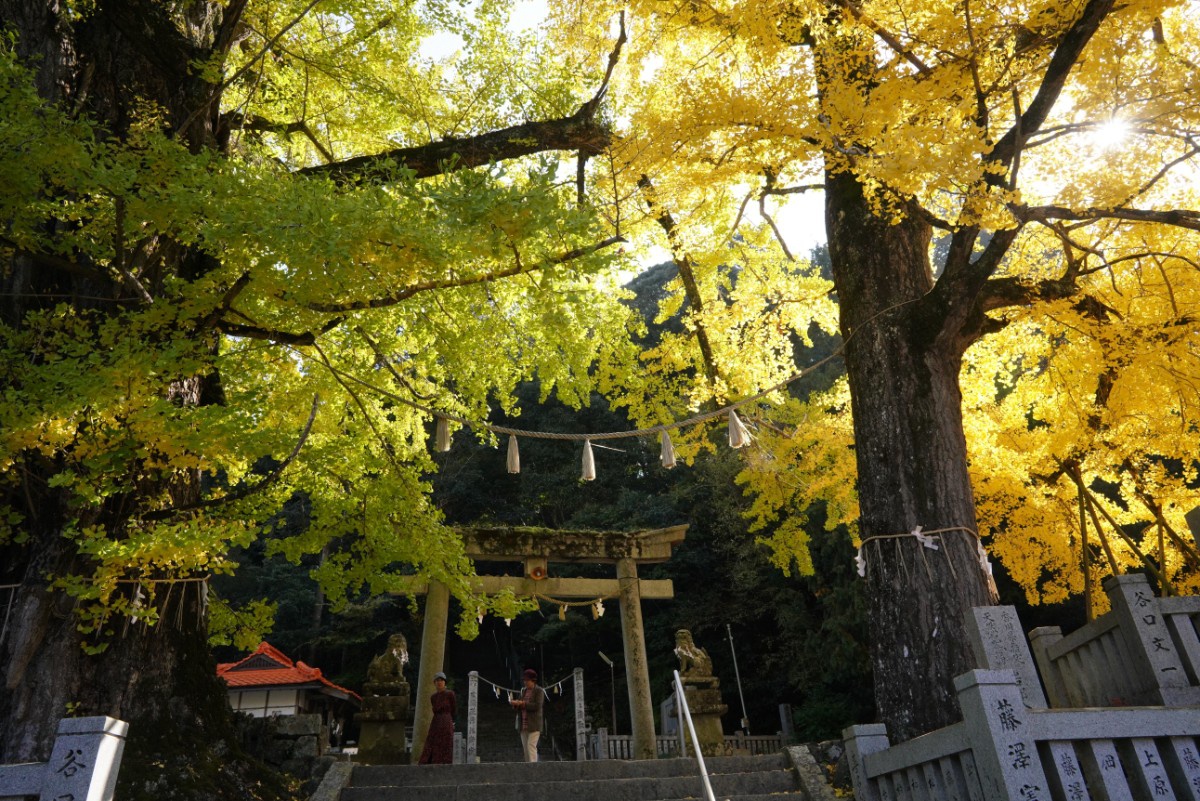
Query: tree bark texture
[
  {"x": 162, "y": 679},
  {"x": 903, "y": 368}
]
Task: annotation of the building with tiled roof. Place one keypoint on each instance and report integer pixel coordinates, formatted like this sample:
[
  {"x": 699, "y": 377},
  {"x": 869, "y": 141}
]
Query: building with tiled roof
[{"x": 267, "y": 682}]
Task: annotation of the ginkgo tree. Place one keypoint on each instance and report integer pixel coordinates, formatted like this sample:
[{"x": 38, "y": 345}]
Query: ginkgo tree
[
  {"x": 240, "y": 241},
  {"x": 1008, "y": 187}
]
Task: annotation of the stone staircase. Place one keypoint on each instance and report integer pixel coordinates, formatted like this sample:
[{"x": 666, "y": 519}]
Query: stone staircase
[
  {"x": 498, "y": 739},
  {"x": 736, "y": 778}
]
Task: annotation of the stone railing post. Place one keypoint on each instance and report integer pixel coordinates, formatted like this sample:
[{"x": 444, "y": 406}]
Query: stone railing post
[
  {"x": 472, "y": 717},
  {"x": 999, "y": 644},
  {"x": 870, "y": 738},
  {"x": 999, "y": 731},
  {"x": 581, "y": 732},
  {"x": 1141, "y": 622},
  {"x": 600, "y": 744},
  {"x": 83, "y": 764},
  {"x": 1040, "y": 641}
]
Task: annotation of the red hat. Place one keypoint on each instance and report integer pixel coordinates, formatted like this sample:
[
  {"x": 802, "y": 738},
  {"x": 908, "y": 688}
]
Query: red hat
[{"x": 530, "y": 674}]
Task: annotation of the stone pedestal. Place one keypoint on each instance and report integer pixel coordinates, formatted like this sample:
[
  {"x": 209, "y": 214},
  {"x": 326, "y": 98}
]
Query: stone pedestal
[
  {"x": 704, "y": 703},
  {"x": 381, "y": 723}
]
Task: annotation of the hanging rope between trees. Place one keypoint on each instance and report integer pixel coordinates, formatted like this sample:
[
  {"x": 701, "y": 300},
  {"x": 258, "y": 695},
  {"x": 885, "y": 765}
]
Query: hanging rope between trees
[
  {"x": 497, "y": 689},
  {"x": 609, "y": 435}
]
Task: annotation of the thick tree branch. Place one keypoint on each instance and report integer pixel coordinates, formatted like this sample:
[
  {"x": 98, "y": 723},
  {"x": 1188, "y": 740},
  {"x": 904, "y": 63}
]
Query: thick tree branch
[
  {"x": 792, "y": 190},
  {"x": 580, "y": 132},
  {"x": 281, "y": 337},
  {"x": 762, "y": 211},
  {"x": 1066, "y": 55},
  {"x": 959, "y": 290},
  {"x": 590, "y": 108},
  {"x": 231, "y": 20},
  {"x": 151, "y": 31},
  {"x": 235, "y": 119},
  {"x": 270, "y": 43},
  {"x": 54, "y": 262},
  {"x": 956, "y": 298},
  {"x": 1009, "y": 291},
  {"x": 886, "y": 36},
  {"x": 450, "y": 283},
  {"x": 1180, "y": 218},
  {"x": 683, "y": 263}
]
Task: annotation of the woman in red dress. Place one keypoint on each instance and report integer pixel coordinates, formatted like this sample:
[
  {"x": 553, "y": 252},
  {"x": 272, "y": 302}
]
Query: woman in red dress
[{"x": 439, "y": 743}]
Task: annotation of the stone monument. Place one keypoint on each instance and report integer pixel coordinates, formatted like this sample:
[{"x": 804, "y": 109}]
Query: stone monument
[
  {"x": 702, "y": 691},
  {"x": 385, "y": 707}
]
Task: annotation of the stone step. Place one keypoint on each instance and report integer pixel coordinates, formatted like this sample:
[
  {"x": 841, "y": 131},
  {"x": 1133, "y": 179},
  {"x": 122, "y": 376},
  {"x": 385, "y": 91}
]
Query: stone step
[
  {"x": 593, "y": 770},
  {"x": 774, "y": 784},
  {"x": 738, "y": 778}
]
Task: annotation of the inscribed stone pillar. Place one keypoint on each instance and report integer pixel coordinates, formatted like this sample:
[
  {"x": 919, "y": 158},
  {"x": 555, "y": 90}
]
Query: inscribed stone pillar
[
  {"x": 581, "y": 730},
  {"x": 1157, "y": 668},
  {"x": 1001, "y": 736},
  {"x": 433, "y": 653},
  {"x": 870, "y": 738},
  {"x": 637, "y": 671},
  {"x": 86, "y": 756},
  {"x": 999, "y": 644},
  {"x": 472, "y": 717}
]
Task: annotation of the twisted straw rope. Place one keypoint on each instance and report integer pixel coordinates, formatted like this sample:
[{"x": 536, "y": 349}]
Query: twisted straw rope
[
  {"x": 640, "y": 432},
  {"x": 558, "y": 683}
]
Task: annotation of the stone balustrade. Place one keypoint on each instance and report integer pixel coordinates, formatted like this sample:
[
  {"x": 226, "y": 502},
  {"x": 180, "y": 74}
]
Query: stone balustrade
[
  {"x": 1005, "y": 751},
  {"x": 1145, "y": 650},
  {"x": 1093, "y": 744}
]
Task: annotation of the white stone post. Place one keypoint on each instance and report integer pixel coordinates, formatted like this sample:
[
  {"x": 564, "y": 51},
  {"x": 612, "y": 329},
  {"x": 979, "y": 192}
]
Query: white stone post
[
  {"x": 581, "y": 733},
  {"x": 1040, "y": 641},
  {"x": 1145, "y": 630},
  {"x": 83, "y": 765},
  {"x": 472, "y": 717},
  {"x": 1002, "y": 743},
  {"x": 870, "y": 738},
  {"x": 999, "y": 644}
]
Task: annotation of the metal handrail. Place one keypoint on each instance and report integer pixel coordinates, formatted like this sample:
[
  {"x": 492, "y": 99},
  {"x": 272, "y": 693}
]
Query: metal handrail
[{"x": 681, "y": 699}]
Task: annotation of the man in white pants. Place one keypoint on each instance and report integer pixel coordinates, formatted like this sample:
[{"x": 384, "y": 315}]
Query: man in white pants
[{"x": 529, "y": 705}]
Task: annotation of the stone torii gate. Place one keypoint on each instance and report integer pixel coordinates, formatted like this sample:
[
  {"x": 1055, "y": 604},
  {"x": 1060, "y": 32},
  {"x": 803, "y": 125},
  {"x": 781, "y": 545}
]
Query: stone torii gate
[{"x": 536, "y": 549}]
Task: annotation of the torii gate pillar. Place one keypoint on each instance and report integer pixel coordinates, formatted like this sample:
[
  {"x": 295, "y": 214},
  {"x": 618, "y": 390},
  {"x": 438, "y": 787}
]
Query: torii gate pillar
[
  {"x": 433, "y": 654},
  {"x": 637, "y": 669}
]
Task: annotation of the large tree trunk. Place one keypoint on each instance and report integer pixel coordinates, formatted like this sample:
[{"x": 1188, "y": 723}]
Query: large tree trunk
[
  {"x": 161, "y": 679},
  {"x": 903, "y": 367}
]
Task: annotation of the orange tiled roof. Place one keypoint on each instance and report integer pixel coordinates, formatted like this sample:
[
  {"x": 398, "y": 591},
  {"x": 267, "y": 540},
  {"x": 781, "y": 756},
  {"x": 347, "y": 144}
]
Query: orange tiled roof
[{"x": 270, "y": 667}]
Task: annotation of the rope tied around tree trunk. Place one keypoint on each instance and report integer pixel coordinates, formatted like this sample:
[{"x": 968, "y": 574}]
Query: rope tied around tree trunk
[{"x": 930, "y": 540}]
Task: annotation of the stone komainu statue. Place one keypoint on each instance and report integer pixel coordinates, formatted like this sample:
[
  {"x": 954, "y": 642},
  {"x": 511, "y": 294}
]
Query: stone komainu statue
[
  {"x": 385, "y": 707},
  {"x": 694, "y": 662},
  {"x": 388, "y": 667}
]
